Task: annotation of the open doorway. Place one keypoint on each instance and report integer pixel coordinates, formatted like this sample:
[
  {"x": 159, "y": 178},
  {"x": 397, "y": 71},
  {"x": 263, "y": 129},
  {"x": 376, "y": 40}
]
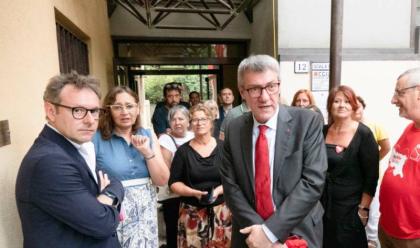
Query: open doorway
[
  {"x": 148, "y": 81},
  {"x": 204, "y": 66}
]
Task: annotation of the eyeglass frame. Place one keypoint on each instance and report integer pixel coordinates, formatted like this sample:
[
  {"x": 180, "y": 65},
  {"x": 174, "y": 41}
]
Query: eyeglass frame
[
  {"x": 86, "y": 110},
  {"x": 202, "y": 120},
  {"x": 134, "y": 106},
  {"x": 401, "y": 92},
  {"x": 264, "y": 88}
]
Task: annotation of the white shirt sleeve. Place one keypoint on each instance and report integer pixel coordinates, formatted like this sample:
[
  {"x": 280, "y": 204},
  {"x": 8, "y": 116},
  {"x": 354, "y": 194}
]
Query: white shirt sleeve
[{"x": 269, "y": 234}]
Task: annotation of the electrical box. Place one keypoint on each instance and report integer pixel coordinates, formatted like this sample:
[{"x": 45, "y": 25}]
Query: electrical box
[{"x": 4, "y": 133}]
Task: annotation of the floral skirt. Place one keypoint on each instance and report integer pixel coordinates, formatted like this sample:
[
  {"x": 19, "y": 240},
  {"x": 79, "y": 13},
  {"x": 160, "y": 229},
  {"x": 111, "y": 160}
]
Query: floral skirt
[
  {"x": 206, "y": 227},
  {"x": 139, "y": 228}
]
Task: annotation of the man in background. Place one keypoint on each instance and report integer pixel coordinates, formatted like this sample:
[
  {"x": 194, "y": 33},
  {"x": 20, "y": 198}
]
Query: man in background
[
  {"x": 194, "y": 98},
  {"x": 233, "y": 113},
  {"x": 226, "y": 98},
  {"x": 172, "y": 96}
]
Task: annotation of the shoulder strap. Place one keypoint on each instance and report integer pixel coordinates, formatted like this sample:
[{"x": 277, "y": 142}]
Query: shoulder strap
[{"x": 176, "y": 145}]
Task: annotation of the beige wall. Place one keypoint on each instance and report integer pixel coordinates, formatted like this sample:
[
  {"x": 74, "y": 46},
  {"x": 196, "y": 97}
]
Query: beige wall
[{"x": 28, "y": 58}]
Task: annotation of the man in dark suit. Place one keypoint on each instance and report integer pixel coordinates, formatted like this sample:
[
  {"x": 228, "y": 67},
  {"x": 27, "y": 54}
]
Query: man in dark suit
[
  {"x": 273, "y": 164},
  {"x": 62, "y": 201}
]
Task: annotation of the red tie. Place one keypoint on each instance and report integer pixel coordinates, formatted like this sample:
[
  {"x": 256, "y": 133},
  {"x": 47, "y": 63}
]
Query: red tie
[{"x": 262, "y": 176}]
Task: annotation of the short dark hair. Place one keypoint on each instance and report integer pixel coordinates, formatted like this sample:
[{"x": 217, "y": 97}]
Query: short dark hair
[
  {"x": 172, "y": 86},
  {"x": 360, "y": 99},
  {"x": 225, "y": 88},
  {"x": 193, "y": 92}
]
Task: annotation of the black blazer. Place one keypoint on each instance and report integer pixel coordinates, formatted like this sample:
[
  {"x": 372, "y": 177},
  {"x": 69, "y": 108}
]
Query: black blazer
[
  {"x": 56, "y": 198},
  {"x": 300, "y": 165}
]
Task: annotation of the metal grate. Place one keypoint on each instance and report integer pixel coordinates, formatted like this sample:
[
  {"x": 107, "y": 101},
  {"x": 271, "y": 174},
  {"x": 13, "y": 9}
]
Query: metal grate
[
  {"x": 72, "y": 52},
  {"x": 217, "y": 13}
]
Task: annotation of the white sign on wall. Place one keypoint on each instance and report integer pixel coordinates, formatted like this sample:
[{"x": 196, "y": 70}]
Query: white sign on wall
[{"x": 320, "y": 76}]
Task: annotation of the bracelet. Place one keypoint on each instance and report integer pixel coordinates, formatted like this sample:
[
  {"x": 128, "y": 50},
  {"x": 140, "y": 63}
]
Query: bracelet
[
  {"x": 151, "y": 156},
  {"x": 363, "y": 208},
  {"x": 361, "y": 216}
]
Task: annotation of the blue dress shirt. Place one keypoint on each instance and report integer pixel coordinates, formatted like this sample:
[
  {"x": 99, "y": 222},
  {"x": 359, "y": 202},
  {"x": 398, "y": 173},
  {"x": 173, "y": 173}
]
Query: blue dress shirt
[{"x": 121, "y": 160}]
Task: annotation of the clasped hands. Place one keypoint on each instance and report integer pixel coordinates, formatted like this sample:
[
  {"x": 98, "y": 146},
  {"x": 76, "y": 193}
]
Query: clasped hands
[{"x": 257, "y": 238}]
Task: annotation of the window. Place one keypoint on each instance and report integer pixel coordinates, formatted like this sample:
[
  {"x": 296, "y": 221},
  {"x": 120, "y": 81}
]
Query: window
[{"x": 72, "y": 52}]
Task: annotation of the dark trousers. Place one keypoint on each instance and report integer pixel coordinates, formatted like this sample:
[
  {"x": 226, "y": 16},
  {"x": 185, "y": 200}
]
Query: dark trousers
[{"x": 170, "y": 215}]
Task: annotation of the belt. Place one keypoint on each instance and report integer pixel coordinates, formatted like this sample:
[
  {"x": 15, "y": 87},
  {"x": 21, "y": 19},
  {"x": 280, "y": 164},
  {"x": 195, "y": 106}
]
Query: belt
[{"x": 135, "y": 182}]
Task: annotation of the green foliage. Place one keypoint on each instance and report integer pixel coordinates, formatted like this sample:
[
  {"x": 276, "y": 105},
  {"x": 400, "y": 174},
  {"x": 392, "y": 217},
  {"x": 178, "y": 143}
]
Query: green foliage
[{"x": 154, "y": 85}]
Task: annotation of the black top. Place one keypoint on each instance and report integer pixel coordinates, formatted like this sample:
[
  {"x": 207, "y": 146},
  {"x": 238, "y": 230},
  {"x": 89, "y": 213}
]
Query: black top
[
  {"x": 351, "y": 172},
  {"x": 195, "y": 171}
]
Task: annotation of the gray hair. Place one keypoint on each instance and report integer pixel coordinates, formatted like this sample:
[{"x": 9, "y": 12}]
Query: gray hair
[
  {"x": 57, "y": 83},
  {"x": 413, "y": 76},
  {"x": 178, "y": 109},
  {"x": 257, "y": 63},
  {"x": 212, "y": 104}
]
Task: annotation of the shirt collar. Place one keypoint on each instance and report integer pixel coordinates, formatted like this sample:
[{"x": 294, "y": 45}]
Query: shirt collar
[
  {"x": 72, "y": 142},
  {"x": 227, "y": 108},
  {"x": 271, "y": 123}
]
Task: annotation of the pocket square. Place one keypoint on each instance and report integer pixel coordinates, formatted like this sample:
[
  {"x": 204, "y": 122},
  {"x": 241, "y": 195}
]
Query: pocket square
[{"x": 296, "y": 242}]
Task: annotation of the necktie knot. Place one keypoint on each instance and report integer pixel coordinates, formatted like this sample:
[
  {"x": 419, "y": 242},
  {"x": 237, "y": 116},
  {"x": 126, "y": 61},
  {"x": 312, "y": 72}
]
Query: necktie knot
[{"x": 262, "y": 128}]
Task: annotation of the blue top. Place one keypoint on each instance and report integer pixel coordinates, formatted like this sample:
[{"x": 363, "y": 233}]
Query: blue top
[
  {"x": 160, "y": 117},
  {"x": 121, "y": 160}
]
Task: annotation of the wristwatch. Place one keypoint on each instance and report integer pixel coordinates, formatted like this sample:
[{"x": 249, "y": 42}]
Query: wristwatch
[{"x": 112, "y": 196}]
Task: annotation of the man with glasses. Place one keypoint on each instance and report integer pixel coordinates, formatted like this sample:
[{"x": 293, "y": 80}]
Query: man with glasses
[
  {"x": 273, "y": 164},
  {"x": 63, "y": 201},
  {"x": 399, "y": 196},
  {"x": 172, "y": 96}
]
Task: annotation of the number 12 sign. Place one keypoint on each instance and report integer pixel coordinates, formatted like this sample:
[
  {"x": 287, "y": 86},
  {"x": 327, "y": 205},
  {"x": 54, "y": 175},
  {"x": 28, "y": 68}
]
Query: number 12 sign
[{"x": 301, "y": 66}]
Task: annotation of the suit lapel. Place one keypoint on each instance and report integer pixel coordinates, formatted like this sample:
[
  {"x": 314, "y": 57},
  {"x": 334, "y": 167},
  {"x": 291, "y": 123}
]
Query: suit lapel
[
  {"x": 246, "y": 143},
  {"x": 69, "y": 148},
  {"x": 283, "y": 140}
]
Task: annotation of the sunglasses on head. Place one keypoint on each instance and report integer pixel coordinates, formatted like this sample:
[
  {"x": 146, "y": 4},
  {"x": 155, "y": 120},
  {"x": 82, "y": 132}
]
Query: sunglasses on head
[{"x": 173, "y": 85}]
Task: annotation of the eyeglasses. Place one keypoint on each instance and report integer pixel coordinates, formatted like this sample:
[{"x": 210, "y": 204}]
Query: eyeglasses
[
  {"x": 199, "y": 120},
  {"x": 401, "y": 92},
  {"x": 271, "y": 88},
  {"x": 173, "y": 85},
  {"x": 119, "y": 107},
  {"x": 81, "y": 112}
]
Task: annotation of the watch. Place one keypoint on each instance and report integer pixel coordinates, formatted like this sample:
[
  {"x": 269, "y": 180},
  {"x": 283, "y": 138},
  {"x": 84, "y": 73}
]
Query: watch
[{"x": 112, "y": 196}]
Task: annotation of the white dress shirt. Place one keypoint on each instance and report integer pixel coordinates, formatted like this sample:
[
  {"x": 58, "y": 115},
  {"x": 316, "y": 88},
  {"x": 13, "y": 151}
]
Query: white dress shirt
[
  {"x": 270, "y": 134},
  {"x": 86, "y": 150}
]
